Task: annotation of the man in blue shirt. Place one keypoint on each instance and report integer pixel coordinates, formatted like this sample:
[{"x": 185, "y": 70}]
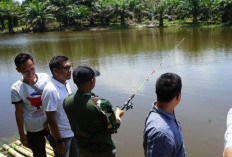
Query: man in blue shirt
[{"x": 162, "y": 133}]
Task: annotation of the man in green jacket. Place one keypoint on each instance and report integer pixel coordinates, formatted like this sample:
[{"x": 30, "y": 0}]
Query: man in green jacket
[{"x": 92, "y": 118}]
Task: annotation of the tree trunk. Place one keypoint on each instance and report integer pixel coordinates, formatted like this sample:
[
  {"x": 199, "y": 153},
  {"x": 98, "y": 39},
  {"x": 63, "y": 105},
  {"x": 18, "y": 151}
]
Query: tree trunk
[
  {"x": 2, "y": 23},
  {"x": 195, "y": 13},
  {"x": 102, "y": 21},
  {"x": 107, "y": 21},
  {"x": 41, "y": 26},
  {"x": 68, "y": 22},
  {"x": 195, "y": 22},
  {"x": 91, "y": 22},
  {"x": 10, "y": 25},
  {"x": 139, "y": 17},
  {"x": 161, "y": 20},
  {"x": 122, "y": 19}
]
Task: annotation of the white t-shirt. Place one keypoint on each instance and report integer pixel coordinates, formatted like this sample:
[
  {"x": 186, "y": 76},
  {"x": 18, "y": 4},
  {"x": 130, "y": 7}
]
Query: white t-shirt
[
  {"x": 52, "y": 99},
  {"x": 33, "y": 114},
  {"x": 228, "y": 134}
]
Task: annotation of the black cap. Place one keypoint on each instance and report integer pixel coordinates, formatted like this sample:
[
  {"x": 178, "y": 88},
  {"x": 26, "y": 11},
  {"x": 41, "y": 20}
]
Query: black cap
[{"x": 84, "y": 73}]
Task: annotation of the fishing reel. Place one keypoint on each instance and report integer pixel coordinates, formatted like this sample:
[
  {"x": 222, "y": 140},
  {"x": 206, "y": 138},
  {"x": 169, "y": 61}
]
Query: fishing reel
[{"x": 127, "y": 106}]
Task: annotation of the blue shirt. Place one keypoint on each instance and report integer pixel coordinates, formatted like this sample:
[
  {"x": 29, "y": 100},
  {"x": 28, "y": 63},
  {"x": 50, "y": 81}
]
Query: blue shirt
[{"x": 162, "y": 135}]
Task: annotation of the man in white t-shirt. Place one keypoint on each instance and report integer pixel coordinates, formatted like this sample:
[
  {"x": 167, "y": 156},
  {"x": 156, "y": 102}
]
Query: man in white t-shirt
[
  {"x": 228, "y": 136},
  {"x": 55, "y": 92},
  {"x": 26, "y": 95}
]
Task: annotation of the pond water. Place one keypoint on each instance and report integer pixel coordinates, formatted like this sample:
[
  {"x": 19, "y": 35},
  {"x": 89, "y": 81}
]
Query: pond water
[{"x": 125, "y": 58}]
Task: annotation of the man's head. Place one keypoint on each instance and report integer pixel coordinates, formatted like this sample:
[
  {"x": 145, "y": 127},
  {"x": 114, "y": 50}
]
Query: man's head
[
  {"x": 168, "y": 86},
  {"x": 83, "y": 74},
  {"x": 60, "y": 68},
  {"x": 25, "y": 65}
]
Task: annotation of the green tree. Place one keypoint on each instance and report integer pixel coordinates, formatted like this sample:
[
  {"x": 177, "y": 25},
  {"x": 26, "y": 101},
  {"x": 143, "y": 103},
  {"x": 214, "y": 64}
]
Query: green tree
[
  {"x": 60, "y": 8},
  {"x": 91, "y": 5},
  {"x": 37, "y": 15},
  {"x": 104, "y": 11},
  {"x": 149, "y": 8},
  {"x": 77, "y": 14},
  {"x": 225, "y": 10},
  {"x": 194, "y": 8},
  {"x": 9, "y": 11},
  {"x": 160, "y": 9},
  {"x": 2, "y": 17},
  {"x": 121, "y": 10},
  {"x": 137, "y": 7}
]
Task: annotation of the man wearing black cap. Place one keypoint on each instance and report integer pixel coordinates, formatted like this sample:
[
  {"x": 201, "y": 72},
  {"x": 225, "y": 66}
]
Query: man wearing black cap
[{"x": 92, "y": 118}]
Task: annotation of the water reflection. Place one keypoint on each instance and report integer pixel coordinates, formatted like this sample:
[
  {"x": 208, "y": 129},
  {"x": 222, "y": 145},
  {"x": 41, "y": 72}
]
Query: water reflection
[
  {"x": 94, "y": 45},
  {"x": 125, "y": 59}
]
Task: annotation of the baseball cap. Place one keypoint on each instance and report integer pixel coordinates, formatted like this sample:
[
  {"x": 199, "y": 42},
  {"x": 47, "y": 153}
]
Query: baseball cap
[{"x": 84, "y": 73}]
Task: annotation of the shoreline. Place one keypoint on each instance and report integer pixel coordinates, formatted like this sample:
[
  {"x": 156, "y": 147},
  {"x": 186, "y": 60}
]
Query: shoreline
[{"x": 148, "y": 24}]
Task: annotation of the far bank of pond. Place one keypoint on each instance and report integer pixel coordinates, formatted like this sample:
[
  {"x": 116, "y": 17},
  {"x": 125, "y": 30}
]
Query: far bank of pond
[{"x": 54, "y": 27}]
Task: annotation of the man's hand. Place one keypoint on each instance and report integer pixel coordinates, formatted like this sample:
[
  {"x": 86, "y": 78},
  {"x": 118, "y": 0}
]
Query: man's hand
[
  {"x": 119, "y": 113},
  {"x": 24, "y": 140},
  {"x": 227, "y": 152},
  {"x": 60, "y": 148},
  {"x": 20, "y": 123}
]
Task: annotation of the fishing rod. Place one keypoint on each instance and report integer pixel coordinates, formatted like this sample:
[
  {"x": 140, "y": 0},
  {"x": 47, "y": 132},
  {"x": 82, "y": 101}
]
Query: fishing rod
[{"x": 128, "y": 104}]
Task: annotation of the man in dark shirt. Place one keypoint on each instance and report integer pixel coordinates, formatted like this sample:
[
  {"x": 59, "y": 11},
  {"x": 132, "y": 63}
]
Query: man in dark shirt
[
  {"x": 92, "y": 118},
  {"x": 162, "y": 133}
]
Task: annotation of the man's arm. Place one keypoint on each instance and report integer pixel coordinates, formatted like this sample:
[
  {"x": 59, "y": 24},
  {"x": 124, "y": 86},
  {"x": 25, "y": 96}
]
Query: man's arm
[
  {"x": 112, "y": 119},
  {"x": 20, "y": 123},
  {"x": 159, "y": 144},
  {"x": 51, "y": 117},
  {"x": 228, "y": 136},
  {"x": 228, "y": 152}
]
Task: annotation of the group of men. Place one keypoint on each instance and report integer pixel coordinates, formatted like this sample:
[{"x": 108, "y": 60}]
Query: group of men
[{"x": 81, "y": 123}]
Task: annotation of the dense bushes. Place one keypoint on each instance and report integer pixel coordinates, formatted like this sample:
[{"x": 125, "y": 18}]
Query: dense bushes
[{"x": 37, "y": 14}]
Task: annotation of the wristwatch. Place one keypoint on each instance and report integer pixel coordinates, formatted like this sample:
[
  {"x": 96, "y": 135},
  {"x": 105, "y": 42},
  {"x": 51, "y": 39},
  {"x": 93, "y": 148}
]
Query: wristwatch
[{"x": 59, "y": 141}]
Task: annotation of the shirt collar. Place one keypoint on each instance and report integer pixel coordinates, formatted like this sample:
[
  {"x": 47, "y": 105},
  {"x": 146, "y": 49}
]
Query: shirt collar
[
  {"x": 85, "y": 93},
  {"x": 162, "y": 112},
  {"x": 59, "y": 84}
]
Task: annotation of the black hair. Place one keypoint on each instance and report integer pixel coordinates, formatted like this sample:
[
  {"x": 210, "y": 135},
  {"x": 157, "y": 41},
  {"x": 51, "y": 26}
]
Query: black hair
[
  {"x": 168, "y": 86},
  {"x": 56, "y": 62},
  {"x": 21, "y": 58}
]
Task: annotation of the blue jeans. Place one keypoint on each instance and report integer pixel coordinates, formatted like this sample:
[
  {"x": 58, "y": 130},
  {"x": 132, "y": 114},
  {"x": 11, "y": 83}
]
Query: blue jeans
[{"x": 70, "y": 144}]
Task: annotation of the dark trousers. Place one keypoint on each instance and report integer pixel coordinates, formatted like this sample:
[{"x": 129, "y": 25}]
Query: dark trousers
[
  {"x": 37, "y": 142},
  {"x": 89, "y": 154}
]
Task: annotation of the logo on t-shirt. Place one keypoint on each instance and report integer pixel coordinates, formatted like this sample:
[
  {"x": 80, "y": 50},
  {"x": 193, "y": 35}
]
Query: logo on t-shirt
[{"x": 35, "y": 99}]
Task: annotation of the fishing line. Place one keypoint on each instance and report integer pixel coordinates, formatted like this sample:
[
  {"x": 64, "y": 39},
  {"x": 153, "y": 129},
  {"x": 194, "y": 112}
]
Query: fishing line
[{"x": 128, "y": 104}]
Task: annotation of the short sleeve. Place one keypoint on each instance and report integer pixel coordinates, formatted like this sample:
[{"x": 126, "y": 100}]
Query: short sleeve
[
  {"x": 228, "y": 134},
  {"x": 160, "y": 144},
  {"x": 15, "y": 98},
  {"x": 49, "y": 100},
  {"x": 107, "y": 112}
]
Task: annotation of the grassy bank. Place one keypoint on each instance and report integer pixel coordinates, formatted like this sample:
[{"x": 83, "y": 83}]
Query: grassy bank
[{"x": 150, "y": 24}]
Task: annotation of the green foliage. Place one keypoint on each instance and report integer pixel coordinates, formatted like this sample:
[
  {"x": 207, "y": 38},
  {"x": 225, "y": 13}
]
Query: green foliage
[
  {"x": 104, "y": 11},
  {"x": 37, "y": 15},
  {"x": 137, "y": 7},
  {"x": 79, "y": 13},
  {"x": 10, "y": 12},
  {"x": 197, "y": 9},
  {"x": 225, "y": 10},
  {"x": 121, "y": 10}
]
